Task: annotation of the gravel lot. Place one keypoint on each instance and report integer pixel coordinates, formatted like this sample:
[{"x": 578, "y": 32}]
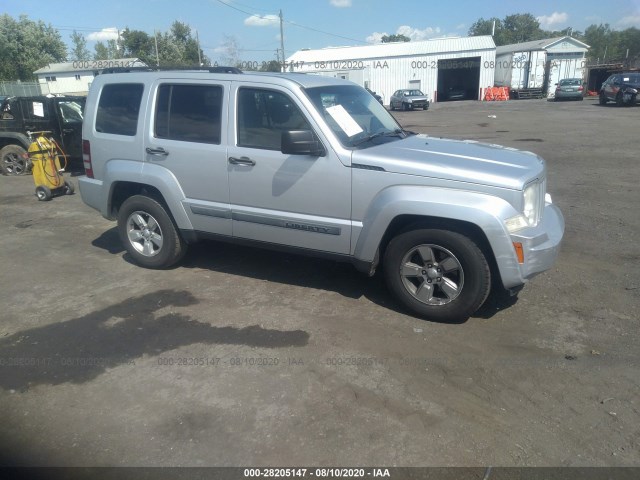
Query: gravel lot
[{"x": 254, "y": 358}]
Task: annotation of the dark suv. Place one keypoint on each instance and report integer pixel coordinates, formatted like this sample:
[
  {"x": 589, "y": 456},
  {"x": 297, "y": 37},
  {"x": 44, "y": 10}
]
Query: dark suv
[
  {"x": 62, "y": 116},
  {"x": 621, "y": 88}
]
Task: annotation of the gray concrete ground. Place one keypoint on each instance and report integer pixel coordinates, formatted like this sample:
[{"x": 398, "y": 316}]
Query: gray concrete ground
[{"x": 248, "y": 357}]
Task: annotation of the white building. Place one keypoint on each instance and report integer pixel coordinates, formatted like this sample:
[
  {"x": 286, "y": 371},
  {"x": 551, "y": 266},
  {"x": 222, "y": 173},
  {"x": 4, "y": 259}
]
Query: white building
[
  {"x": 433, "y": 66},
  {"x": 538, "y": 65},
  {"x": 74, "y": 78}
]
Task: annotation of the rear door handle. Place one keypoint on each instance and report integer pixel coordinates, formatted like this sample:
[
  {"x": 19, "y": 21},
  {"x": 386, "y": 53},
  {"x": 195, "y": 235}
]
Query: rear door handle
[
  {"x": 157, "y": 151},
  {"x": 241, "y": 161}
]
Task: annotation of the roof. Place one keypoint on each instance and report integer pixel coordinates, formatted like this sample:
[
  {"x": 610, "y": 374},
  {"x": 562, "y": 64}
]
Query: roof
[
  {"x": 397, "y": 49},
  {"x": 543, "y": 44},
  {"x": 89, "y": 65}
]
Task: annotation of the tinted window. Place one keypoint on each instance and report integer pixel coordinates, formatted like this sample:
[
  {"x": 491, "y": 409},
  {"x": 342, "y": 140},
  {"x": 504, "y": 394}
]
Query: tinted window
[
  {"x": 190, "y": 113},
  {"x": 35, "y": 110},
  {"x": 262, "y": 117},
  {"x": 118, "y": 109}
]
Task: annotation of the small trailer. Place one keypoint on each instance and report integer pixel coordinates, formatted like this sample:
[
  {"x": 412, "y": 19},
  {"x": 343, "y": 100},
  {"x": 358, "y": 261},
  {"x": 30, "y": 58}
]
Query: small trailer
[{"x": 532, "y": 69}]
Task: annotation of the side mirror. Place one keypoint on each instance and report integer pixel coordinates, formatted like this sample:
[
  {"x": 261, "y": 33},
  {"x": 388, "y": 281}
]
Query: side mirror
[{"x": 301, "y": 142}]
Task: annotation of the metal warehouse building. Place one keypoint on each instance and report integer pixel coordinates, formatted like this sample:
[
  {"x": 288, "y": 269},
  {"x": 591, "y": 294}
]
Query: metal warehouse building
[{"x": 433, "y": 66}]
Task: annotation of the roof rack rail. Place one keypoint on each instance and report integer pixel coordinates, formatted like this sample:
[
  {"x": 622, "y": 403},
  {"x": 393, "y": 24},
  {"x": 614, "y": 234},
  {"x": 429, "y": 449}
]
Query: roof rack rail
[{"x": 162, "y": 69}]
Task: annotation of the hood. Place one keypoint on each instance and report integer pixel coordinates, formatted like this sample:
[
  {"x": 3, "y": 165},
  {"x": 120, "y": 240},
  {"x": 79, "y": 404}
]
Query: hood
[{"x": 460, "y": 160}]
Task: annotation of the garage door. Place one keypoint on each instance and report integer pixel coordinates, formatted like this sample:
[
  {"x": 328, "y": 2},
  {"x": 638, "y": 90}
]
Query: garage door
[{"x": 458, "y": 79}]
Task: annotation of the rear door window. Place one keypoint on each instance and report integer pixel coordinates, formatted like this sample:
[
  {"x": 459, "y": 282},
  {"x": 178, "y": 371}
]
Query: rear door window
[{"x": 189, "y": 113}]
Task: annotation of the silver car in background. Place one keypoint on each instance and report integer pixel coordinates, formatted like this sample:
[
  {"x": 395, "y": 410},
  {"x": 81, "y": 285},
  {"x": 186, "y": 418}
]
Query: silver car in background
[
  {"x": 569, "y": 88},
  {"x": 408, "y": 99}
]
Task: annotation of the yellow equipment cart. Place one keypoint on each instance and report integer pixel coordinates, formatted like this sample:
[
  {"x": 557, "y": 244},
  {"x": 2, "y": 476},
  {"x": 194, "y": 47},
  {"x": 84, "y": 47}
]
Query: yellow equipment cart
[{"x": 45, "y": 154}]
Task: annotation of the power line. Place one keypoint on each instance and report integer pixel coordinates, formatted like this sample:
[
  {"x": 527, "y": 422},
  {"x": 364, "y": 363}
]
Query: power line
[{"x": 291, "y": 23}]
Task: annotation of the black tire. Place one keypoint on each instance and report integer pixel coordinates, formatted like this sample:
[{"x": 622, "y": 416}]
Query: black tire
[
  {"x": 153, "y": 220},
  {"x": 471, "y": 278},
  {"x": 14, "y": 160},
  {"x": 619, "y": 100},
  {"x": 426, "y": 107},
  {"x": 391, "y": 107},
  {"x": 405, "y": 107},
  {"x": 43, "y": 193},
  {"x": 603, "y": 99},
  {"x": 69, "y": 189}
]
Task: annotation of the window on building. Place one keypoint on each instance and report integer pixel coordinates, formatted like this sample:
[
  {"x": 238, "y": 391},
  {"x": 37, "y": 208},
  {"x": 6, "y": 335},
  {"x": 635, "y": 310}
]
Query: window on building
[
  {"x": 77, "y": 77},
  {"x": 50, "y": 79},
  {"x": 190, "y": 113}
]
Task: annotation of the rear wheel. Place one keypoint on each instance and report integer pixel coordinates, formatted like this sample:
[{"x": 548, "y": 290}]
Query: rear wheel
[
  {"x": 14, "y": 160},
  {"x": 148, "y": 233},
  {"x": 69, "y": 188},
  {"x": 437, "y": 274}
]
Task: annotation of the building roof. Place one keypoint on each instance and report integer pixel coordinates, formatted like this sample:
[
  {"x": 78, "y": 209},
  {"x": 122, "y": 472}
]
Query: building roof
[
  {"x": 543, "y": 44},
  {"x": 397, "y": 49},
  {"x": 89, "y": 65}
]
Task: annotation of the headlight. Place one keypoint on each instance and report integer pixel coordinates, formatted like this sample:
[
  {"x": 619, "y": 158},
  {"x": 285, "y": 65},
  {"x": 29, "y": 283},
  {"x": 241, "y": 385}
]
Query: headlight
[{"x": 533, "y": 199}]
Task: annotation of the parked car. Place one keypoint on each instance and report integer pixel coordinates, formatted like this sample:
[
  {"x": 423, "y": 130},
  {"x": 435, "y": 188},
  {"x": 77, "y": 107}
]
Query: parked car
[
  {"x": 61, "y": 115},
  {"x": 569, "y": 88},
  {"x": 455, "y": 93},
  {"x": 314, "y": 165},
  {"x": 408, "y": 99},
  {"x": 621, "y": 88},
  {"x": 375, "y": 95}
]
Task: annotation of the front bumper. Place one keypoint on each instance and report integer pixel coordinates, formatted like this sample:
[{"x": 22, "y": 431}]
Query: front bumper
[
  {"x": 540, "y": 245},
  {"x": 419, "y": 104}
]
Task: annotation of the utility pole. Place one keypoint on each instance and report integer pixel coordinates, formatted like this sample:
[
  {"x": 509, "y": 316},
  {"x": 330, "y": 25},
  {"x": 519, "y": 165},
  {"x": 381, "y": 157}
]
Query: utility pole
[
  {"x": 155, "y": 37},
  {"x": 198, "y": 44},
  {"x": 284, "y": 59}
]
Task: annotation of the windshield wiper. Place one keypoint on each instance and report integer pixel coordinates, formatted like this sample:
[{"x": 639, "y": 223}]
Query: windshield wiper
[{"x": 398, "y": 132}]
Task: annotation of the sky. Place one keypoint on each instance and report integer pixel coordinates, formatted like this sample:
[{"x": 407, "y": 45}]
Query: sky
[{"x": 255, "y": 26}]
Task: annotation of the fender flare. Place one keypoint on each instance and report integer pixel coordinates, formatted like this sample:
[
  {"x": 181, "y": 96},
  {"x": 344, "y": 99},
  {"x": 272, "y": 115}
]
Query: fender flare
[
  {"x": 146, "y": 174},
  {"x": 485, "y": 211},
  {"x": 20, "y": 139}
]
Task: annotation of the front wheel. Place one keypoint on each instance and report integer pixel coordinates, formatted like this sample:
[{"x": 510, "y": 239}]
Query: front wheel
[
  {"x": 148, "y": 233},
  {"x": 437, "y": 274},
  {"x": 14, "y": 160},
  {"x": 603, "y": 99},
  {"x": 43, "y": 193}
]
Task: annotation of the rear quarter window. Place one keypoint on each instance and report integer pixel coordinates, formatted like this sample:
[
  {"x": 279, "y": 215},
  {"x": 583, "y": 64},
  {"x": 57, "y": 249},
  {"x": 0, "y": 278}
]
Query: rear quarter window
[{"x": 118, "y": 109}]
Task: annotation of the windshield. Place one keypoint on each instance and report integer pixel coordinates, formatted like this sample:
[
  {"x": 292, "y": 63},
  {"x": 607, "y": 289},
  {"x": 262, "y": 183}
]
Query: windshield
[
  {"x": 414, "y": 93},
  {"x": 570, "y": 81},
  {"x": 354, "y": 115}
]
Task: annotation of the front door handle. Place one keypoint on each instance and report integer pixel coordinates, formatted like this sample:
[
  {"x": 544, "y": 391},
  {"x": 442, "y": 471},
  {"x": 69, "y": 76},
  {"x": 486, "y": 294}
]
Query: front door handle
[
  {"x": 241, "y": 161},
  {"x": 157, "y": 151}
]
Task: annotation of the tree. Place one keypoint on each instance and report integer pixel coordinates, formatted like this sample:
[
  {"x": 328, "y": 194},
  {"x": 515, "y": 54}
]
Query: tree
[
  {"x": 106, "y": 51},
  {"x": 177, "y": 47},
  {"x": 517, "y": 28},
  {"x": 26, "y": 46},
  {"x": 271, "y": 66},
  {"x": 230, "y": 51},
  {"x": 138, "y": 44},
  {"x": 395, "y": 38},
  {"x": 79, "y": 50},
  {"x": 522, "y": 27}
]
